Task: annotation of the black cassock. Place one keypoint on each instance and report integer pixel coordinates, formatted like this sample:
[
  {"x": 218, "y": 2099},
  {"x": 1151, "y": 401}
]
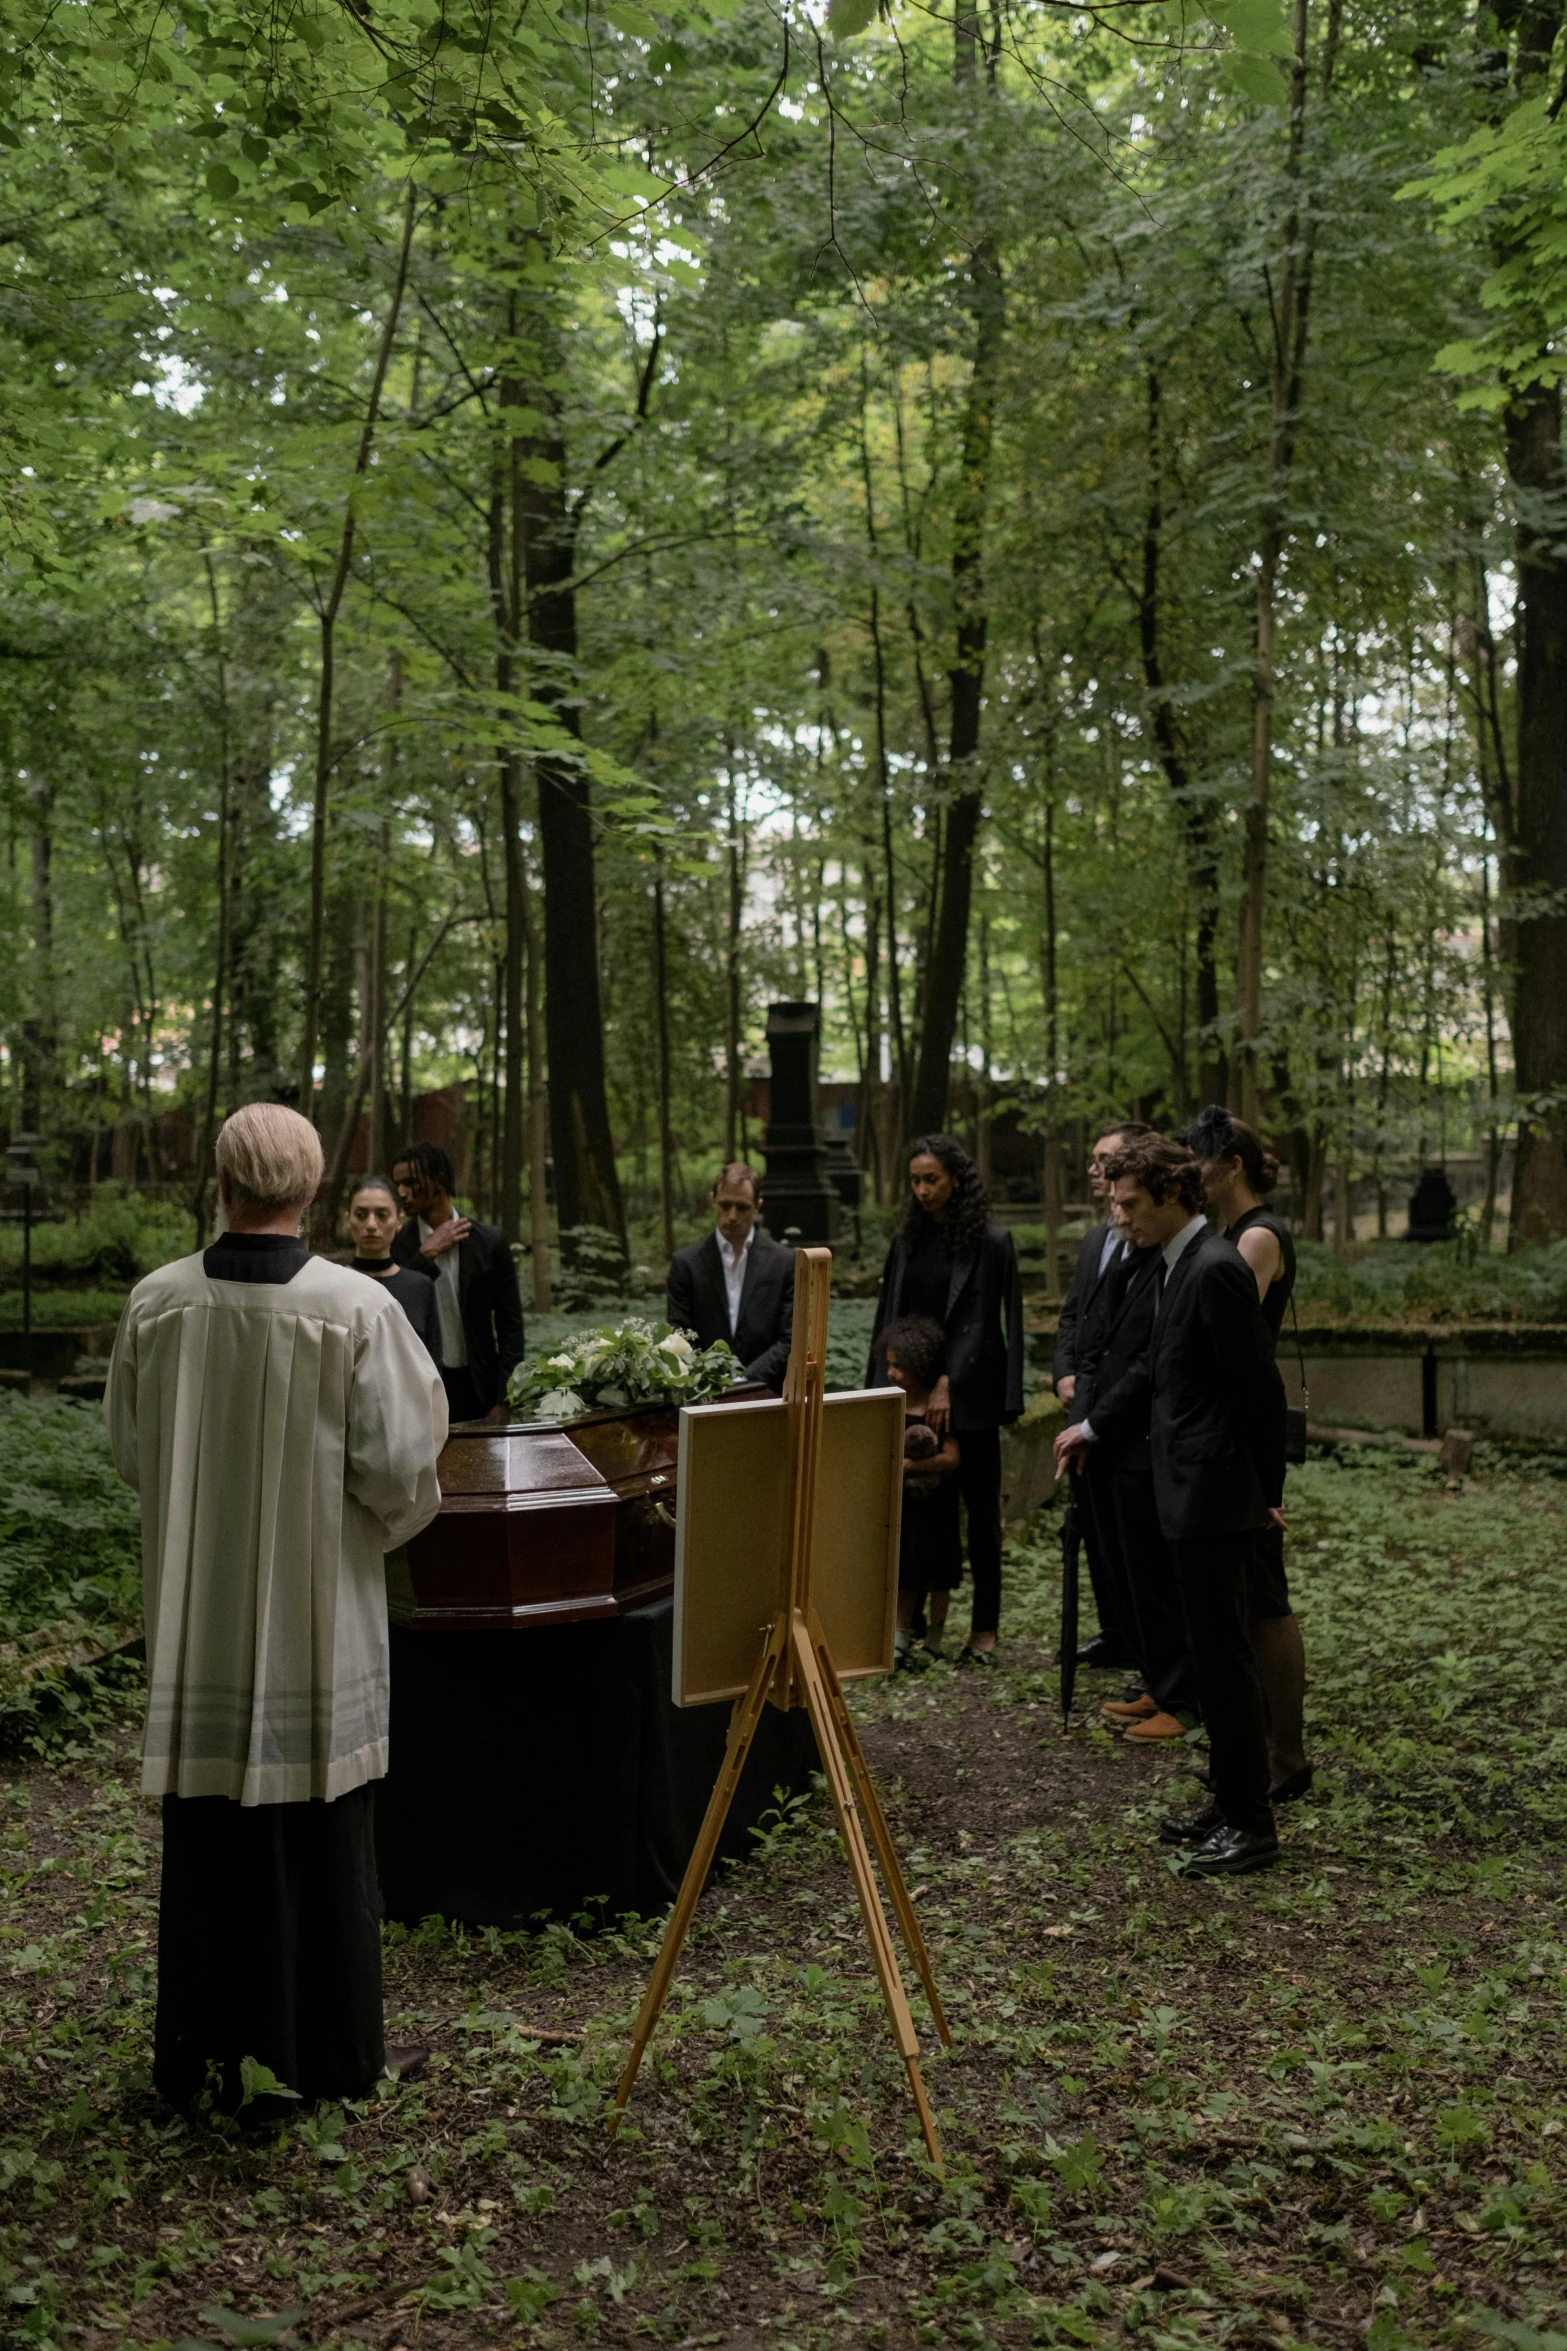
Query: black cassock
[
  {"x": 269, "y": 1921},
  {"x": 269, "y": 1946}
]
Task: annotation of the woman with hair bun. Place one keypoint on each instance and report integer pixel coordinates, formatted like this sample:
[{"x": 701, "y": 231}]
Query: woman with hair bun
[
  {"x": 1237, "y": 1175},
  {"x": 948, "y": 1261}
]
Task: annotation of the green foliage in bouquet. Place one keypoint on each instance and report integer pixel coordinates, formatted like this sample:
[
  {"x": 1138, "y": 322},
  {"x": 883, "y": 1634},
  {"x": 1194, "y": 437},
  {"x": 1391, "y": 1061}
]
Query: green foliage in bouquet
[{"x": 633, "y": 1362}]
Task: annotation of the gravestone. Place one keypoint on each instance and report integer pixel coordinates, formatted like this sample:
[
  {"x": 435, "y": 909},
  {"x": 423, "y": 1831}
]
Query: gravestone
[
  {"x": 1433, "y": 1205},
  {"x": 799, "y": 1191}
]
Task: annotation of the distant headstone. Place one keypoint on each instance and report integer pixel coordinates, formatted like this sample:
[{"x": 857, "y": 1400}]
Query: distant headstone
[
  {"x": 1433, "y": 1206},
  {"x": 1458, "y": 1452},
  {"x": 843, "y": 1173},
  {"x": 799, "y": 1189}
]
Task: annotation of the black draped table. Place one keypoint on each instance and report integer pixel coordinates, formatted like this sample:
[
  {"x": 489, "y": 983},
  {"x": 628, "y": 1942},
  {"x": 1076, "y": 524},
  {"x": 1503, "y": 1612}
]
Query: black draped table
[{"x": 539, "y": 1766}]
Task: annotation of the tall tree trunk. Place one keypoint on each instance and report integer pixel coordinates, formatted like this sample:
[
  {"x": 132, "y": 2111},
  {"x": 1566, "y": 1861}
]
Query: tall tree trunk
[
  {"x": 734, "y": 1122},
  {"x": 666, "y": 1159},
  {"x": 1196, "y": 817},
  {"x": 1493, "y": 1139},
  {"x": 949, "y": 937},
  {"x": 1291, "y": 330},
  {"x": 538, "y": 1106},
  {"x": 587, "y": 1185},
  {"x": 1534, "y": 462},
  {"x": 1049, "y": 986},
  {"x": 982, "y": 1135},
  {"x": 326, "y": 680},
  {"x": 375, "y": 1036},
  {"x": 506, "y": 562},
  {"x": 1539, "y": 1020},
  {"x": 220, "y": 960},
  {"x": 40, "y": 1030}
]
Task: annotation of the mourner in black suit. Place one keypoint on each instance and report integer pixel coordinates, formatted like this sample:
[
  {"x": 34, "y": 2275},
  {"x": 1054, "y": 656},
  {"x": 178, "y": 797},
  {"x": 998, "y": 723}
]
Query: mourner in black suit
[
  {"x": 1080, "y": 1338},
  {"x": 477, "y": 1302},
  {"x": 1118, "y": 1475},
  {"x": 738, "y": 1284},
  {"x": 948, "y": 1261},
  {"x": 1215, "y": 1406}
]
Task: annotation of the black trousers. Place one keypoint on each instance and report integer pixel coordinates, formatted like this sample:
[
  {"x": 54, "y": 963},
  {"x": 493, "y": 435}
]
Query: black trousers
[
  {"x": 269, "y": 1946},
  {"x": 1162, "y": 1648},
  {"x": 979, "y": 1484},
  {"x": 464, "y": 1401},
  {"x": 1107, "y": 1571},
  {"x": 1213, "y": 1573}
]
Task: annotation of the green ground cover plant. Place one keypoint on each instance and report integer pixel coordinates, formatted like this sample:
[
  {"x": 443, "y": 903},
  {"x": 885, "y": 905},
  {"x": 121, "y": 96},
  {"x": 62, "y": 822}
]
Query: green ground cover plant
[
  {"x": 1440, "y": 1281},
  {"x": 1324, "y": 2106},
  {"x": 122, "y": 1236},
  {"x": 70, "y": 1572}
]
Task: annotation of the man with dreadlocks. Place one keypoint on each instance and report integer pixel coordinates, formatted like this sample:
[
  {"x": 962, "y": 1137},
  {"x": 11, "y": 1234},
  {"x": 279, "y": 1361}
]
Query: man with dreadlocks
[{"x": 948, "y": 1261}]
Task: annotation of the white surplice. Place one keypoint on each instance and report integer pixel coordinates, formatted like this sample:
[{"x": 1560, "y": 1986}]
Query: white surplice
[{"x": 283, "y": 1438}]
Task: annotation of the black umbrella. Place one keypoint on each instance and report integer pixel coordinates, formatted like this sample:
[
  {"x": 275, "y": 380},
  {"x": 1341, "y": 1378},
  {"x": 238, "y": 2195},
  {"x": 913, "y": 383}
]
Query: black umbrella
[{"x": 1071, "y": 1545}]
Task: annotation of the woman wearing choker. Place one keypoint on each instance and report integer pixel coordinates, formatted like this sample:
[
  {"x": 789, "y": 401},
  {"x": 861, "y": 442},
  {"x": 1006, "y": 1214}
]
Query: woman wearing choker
[
  {"x": 1237, "y": 1176},
  {"x": 373, "y": 1217}
]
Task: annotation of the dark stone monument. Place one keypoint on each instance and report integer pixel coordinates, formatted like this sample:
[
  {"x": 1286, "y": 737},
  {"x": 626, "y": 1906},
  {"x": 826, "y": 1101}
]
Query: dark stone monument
[
  {"x": 799, "y": 1192},
  {"x": 1433, "y": 1206}
]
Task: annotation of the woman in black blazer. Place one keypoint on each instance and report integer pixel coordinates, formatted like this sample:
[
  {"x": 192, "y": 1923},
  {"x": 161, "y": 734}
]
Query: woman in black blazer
[{"x": 949, "y": 1261}]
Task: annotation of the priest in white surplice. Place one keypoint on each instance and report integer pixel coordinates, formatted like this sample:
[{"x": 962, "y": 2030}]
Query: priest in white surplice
[{"x": 281, "y": 1422}]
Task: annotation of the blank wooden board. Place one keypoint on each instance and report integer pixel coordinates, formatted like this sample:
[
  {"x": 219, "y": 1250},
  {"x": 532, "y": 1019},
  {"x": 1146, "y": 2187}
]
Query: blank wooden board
[{"x": 729, "y": 1539}]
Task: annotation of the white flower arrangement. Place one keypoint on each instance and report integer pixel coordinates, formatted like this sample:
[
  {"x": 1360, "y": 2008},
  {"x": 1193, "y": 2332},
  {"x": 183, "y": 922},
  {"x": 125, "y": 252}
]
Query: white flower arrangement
[{"x": 632, "y": 1362}]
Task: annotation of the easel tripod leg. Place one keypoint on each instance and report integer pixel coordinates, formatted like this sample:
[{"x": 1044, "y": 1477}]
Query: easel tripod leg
[
  {"x": 840, "y": 1782},
  {"x": 742, "y": 1730},
  {"x": 881, "y": 1836}
]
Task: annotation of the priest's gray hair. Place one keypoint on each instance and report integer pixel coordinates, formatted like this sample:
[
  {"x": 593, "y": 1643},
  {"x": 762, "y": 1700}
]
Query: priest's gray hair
[{"x": 270, "y": 1155}]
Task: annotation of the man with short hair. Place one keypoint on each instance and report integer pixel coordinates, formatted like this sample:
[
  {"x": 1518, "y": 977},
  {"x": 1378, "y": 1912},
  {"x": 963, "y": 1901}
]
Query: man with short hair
[
  {"x": 738, "y": 1284},
  {"x": 281, "y": 1422},
  {"x": 478, "y": 1303},
  {"x": 1215, "y": 1406},
  {"x": 1091, "y": 1298}
]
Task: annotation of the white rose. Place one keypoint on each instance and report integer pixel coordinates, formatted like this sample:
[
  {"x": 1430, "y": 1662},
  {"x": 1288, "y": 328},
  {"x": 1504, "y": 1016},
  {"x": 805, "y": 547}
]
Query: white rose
[{"x": 677, "y": 1345}]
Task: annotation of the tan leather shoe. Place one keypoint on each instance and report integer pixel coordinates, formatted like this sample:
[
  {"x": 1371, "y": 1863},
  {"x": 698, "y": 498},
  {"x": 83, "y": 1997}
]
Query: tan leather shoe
[
  {"x": 1129, "y": 1709},
  {"x": 1157, "y": 1726}
]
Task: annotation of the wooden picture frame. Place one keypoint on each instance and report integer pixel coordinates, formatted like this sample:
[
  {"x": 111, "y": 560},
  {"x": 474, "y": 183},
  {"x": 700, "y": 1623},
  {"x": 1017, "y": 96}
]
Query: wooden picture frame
[{"x": 731, "y": 1534}]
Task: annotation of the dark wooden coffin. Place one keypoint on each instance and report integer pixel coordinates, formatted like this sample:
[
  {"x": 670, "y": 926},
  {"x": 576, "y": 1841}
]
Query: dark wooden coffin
[{"x": 541, "y": 1526}]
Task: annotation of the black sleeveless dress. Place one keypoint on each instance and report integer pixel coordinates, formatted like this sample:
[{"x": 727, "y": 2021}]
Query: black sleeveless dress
[
  {"x": 1276, "y": 1304},
  {"x": 1270, "y": 1592}
]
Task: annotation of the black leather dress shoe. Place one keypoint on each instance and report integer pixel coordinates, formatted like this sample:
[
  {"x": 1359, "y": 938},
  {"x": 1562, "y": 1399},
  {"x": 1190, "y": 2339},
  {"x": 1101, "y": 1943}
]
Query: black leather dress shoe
[
  {"x": 1195, "y": 1831},
  {"x": 1104, "y": 1653},
  {"x": 1230, "y": 1853}
]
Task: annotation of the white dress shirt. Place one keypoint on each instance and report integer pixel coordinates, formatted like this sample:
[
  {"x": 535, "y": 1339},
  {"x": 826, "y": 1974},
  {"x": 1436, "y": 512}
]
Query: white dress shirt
[
  {"x": 733, "y": 1263},
  {"x": 448, "y": 1303},
  {"x": 1114, "y": 1246},
  {"x": 1173, "y": 1250}
]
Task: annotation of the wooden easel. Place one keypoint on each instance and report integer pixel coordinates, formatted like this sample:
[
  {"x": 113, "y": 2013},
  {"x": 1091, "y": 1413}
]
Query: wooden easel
[{"x": 794, "y": 1667}]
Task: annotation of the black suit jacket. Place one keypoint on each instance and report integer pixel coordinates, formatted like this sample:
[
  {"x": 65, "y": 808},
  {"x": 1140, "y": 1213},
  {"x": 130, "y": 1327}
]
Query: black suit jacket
[
  {"x": 697, "y": 1301},
  {"x": 489, "y": 1297},
  {"x": 1130, "y": 1292},
  {"x": 983, "y": 1326},
  {"x": 1080, "y": 1331},
  {"x": 1213, "y": 1395}
]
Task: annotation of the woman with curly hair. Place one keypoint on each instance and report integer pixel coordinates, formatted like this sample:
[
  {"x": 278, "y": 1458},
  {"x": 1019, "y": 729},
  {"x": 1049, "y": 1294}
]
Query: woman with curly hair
[{"x": 948, "y": 1261}]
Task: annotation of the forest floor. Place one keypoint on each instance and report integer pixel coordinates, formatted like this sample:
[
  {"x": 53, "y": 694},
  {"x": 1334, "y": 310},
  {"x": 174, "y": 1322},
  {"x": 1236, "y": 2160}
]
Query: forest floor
[{"x": 1326, "y": 2105}]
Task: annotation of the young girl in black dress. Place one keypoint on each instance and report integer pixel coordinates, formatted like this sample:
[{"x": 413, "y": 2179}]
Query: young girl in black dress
[
  {"x": 930, "y": 1552},
  {"x": 1237, "y": 1175}
]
